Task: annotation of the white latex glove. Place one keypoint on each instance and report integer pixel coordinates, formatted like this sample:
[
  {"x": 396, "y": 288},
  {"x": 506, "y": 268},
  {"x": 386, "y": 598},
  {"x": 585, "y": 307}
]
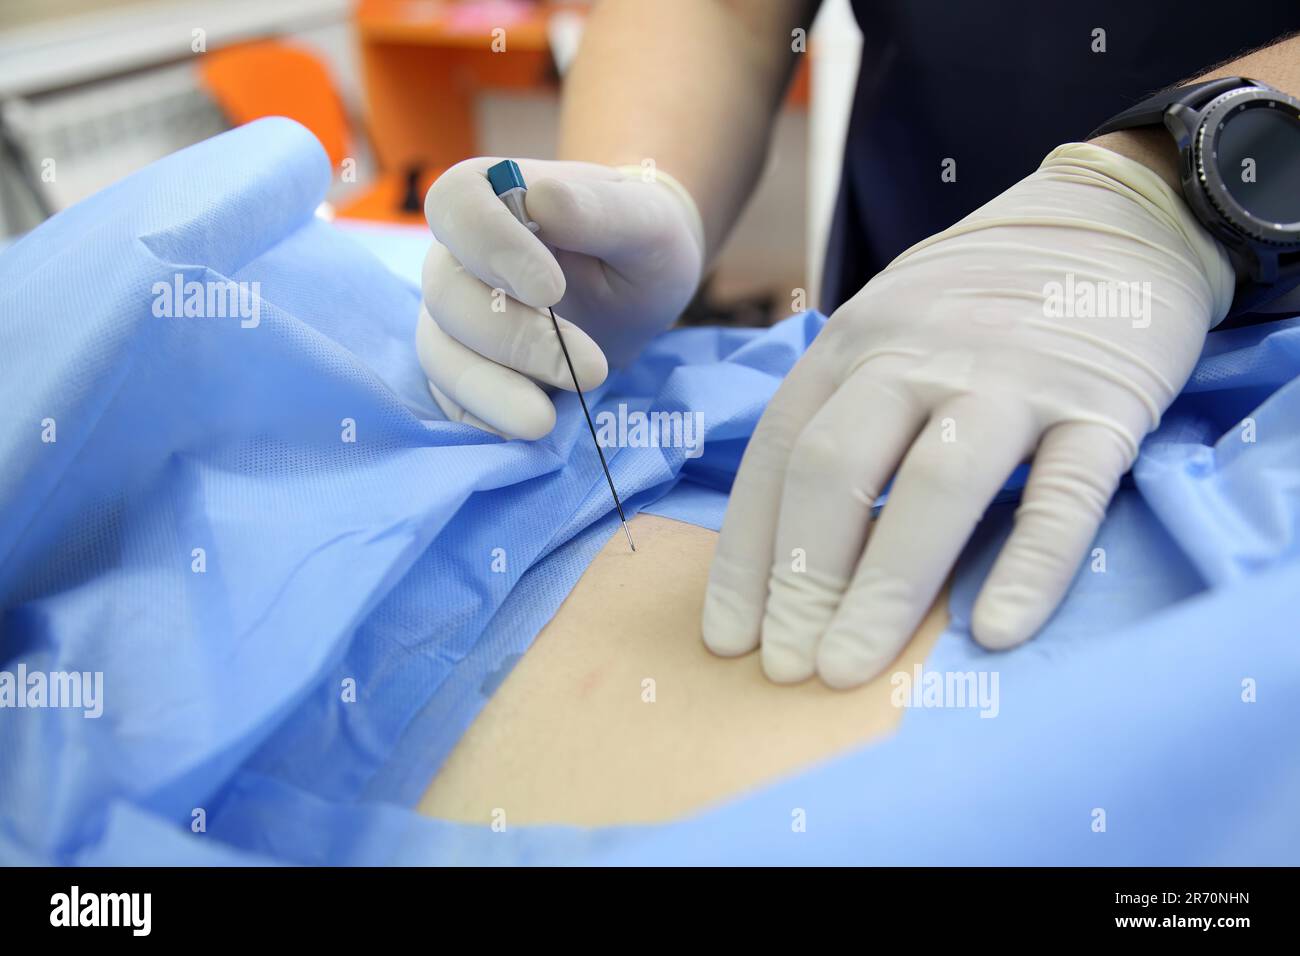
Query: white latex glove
[
  {"x": 616, "y": 255},
  {"x": 949, "y": 368}
]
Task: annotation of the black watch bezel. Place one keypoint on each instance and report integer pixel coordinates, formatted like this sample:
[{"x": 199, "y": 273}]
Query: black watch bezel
[{"x": 1203, "y": 179}]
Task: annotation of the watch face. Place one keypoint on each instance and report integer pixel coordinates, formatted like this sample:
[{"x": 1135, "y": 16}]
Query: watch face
[
  {"x": 1257, "y": 149},
  {"x": 1245, "y": 159}
]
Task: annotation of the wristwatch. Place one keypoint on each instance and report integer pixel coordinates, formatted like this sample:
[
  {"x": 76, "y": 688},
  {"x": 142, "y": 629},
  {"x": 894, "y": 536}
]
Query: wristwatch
[{"x": 1239, "y": 161}]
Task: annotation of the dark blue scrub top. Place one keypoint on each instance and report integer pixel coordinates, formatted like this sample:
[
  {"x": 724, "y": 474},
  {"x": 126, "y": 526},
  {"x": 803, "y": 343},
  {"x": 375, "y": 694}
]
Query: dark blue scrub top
[{"x": 996, "y": 86}]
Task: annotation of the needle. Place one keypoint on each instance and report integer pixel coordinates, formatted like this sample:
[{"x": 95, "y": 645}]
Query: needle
[
  {"x": 507, "y": 182},
  {"x": 599, "y": 451}
]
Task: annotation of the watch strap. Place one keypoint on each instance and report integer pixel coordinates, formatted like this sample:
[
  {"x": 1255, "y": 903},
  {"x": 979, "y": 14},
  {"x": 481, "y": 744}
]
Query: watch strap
[{"x": 1151, "y": 111}]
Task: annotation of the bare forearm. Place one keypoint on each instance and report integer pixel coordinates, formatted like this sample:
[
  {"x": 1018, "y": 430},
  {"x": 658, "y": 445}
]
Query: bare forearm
[
  {"x": 692, "y": 85},
  {"x": 1277, "y": 65}
]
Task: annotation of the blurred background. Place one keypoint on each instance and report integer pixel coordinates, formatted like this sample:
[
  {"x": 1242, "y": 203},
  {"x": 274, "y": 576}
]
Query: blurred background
[{"x": 396, "y": 91}]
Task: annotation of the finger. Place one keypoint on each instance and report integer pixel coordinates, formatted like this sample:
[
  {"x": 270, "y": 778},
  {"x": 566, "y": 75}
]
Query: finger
[
  {"x": 457, "y": 414},
  {"x": 839, "y": 464},
  {"x": 1075, "y": 472},
  {"x": 950, "y": 474},
  {"x": 737, "y": 590},
  {"x": 504, "y": 330},
  {"x": 623, "y": 222},
  {"x": 468, "y": 218},
  {"x": 506, "y": 400}
]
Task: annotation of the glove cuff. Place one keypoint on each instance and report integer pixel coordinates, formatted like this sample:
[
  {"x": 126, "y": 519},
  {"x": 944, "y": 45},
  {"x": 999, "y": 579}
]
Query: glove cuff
[
  {"x": 653, "y": 174},
  {"x": 1164, "y": 201}
]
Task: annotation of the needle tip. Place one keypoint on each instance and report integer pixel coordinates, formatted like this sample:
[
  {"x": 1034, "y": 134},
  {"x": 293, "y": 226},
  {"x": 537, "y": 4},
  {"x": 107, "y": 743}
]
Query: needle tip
[{"x": 629, "y": 536}]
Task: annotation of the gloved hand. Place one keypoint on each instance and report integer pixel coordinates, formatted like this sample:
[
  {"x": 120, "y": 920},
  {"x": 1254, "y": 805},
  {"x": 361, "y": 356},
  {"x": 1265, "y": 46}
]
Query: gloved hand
[
  {"x": 617, "y": 256},
  {"x": 950, "y": 367}
]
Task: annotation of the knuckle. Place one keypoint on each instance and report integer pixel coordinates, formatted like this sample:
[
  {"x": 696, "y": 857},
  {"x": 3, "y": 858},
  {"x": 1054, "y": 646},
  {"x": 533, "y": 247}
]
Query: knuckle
[
  {"x": 438, "y": 273},
  {"x": 1073, "y": 485},
  {"x": 773, "y": 437},
  {"x": 942, "y": 470},
  {"x": 441, "y": 190},
  {"x": 818, "y": 453},
  {"x": 518, "y": 342}
]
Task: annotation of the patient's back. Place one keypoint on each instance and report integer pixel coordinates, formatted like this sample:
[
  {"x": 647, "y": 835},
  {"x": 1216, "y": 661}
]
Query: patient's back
[{"x": 618, "y": 713}]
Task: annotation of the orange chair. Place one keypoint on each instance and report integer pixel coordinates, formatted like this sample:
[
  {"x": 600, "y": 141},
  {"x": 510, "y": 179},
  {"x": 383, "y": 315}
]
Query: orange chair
[{"x": 271, "y": 78}]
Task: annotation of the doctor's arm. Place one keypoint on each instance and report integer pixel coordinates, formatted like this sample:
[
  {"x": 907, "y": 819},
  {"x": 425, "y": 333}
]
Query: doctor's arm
[
  {"x": 693, "y": 86},
  {"x": 1277, "y": 65},
  {"x": 947, "y": 370},
  {"x": 666, "y": 117}
]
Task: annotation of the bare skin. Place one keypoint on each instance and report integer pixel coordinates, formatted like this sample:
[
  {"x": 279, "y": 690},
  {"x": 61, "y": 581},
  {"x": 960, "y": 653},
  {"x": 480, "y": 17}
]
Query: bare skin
[
  {"x": 693, "y": 85},
  {"x": 685, "y": 82},
  {"x": 568, "y": 737}
]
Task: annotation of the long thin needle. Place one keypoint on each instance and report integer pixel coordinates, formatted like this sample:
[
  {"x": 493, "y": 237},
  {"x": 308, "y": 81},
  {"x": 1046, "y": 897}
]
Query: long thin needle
[{"x": 596, "y": 441}]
